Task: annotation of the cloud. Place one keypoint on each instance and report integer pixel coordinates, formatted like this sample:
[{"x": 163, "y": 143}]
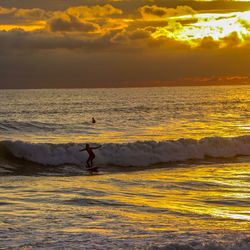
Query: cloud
[
  {"x": 85, "y": 12},
  {"x": 216, "y": 80},
  {"x": 73, "y": 34},
  {"x": 151, "y": 12},
  {"x": 71, "y": 24},
  {"x": 84, "y": 19},
  {"x": 157, "y": 25},
  {"x": 208, "y": 43},
  {"x": 11, "y": 15},
  {"x": 27, "y": 19},
  {"x": 75, "y": 68},
  {"x": 126, "y": 36},
  {"x": 19, "y": 40},
  {"x": 79, "y": 18}
]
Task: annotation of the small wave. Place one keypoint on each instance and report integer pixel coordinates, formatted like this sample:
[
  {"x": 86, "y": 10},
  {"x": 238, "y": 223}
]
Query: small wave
[
  {"x": 35, "y": 126},
  {"x": 26, "y": 126},
  {"x": 141, "y": 153}
]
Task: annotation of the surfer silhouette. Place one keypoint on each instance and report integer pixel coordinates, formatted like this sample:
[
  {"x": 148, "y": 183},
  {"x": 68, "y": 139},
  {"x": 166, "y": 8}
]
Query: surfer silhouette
[
  {"x": 93, "y": 120},
  {"x": 91, "y": 154}
]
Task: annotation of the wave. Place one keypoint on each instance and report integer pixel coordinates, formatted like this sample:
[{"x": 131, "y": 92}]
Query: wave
[
  {"x": 140, "y": 153},
  {"x": 26, "y": 126},
  {"x": 35, "y": 126}
]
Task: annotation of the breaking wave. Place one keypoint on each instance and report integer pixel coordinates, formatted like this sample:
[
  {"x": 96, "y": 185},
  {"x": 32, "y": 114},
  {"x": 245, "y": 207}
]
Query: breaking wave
[{"x": 140, "y": 153}]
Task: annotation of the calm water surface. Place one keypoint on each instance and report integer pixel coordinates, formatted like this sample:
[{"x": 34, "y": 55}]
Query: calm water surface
[{"x": 124, "y": 114}]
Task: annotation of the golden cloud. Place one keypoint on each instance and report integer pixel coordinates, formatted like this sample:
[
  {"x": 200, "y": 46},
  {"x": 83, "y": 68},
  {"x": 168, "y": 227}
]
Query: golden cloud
[
  {"x": 85, "y": 12},
  {"x": 26, "y": 19},
  {"x": 158, "y": 27},
  {"x": 24, "y": 14},
  {"x": 95, "y": 19}
]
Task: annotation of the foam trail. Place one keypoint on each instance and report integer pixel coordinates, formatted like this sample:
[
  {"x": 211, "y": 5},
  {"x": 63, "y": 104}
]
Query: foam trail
[{"x": 141, "y": 153}]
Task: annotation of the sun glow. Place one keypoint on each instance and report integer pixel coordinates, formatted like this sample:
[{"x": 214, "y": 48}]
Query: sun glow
[{"x": 209, "y": 25}]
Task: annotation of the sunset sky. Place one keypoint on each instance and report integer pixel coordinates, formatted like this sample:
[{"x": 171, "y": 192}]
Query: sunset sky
[{"x": 121, "y": 43}]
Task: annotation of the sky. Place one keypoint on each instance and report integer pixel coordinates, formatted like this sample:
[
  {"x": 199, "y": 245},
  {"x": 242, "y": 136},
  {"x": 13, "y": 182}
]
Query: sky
[{"x": 123, "y": 43}]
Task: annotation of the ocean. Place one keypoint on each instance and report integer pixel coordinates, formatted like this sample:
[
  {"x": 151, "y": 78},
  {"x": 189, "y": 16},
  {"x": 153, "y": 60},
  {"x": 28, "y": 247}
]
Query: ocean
[{"x": 174, "y": 168}]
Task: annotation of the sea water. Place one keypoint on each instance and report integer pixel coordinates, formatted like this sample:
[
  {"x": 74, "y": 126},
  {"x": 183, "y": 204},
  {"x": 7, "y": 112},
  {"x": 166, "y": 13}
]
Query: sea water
[{"x": 174, "y": 168}]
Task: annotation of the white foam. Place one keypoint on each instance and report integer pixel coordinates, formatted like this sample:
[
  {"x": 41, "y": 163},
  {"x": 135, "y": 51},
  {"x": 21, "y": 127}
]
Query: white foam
[{"x": 141, "y": 153}]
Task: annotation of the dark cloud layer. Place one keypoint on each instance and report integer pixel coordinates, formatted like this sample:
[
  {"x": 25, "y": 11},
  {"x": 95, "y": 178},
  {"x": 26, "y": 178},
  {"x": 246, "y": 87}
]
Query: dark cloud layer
[
  {"x": 71, "y": 24},
  {"x": 78, "y": 69}
]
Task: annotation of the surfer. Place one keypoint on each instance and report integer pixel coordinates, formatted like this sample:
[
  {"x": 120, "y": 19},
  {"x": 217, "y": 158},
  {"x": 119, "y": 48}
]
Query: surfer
[
  {"x": 91, "y": 154},
  {"x": 93, "y": 120}
]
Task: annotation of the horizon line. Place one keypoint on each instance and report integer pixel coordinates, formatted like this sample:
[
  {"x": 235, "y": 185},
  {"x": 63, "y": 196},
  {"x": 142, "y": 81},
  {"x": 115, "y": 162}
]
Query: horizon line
[{"x": 128, "y": 87}]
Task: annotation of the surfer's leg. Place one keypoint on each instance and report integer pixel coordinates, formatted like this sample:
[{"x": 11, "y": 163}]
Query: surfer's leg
[
  {"x": 91, "y": 160},
  {"x": 88, "y": 162}
]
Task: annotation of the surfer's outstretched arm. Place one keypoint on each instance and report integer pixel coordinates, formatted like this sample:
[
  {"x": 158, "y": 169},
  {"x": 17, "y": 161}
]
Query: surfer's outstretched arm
[
  {"x": 96, "y": 147},
  {"x": 84, "y": 149}
]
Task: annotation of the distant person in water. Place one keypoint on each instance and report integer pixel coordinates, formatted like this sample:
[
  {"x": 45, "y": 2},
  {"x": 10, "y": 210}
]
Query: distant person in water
[
  {"x": 93, "y": 120},
  {"x": 91, "y": 154}
]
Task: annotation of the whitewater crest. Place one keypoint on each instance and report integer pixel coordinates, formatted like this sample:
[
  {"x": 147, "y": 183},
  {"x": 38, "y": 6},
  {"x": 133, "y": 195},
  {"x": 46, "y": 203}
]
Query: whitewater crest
[{"x": 140, "y": 153}]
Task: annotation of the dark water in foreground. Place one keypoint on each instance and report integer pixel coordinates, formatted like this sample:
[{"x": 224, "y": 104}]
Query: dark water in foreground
[{"x": 202, "y": 206}]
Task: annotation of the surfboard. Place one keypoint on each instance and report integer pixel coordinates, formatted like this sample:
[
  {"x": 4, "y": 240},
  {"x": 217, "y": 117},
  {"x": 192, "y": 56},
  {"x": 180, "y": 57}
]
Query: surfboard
[{"x": 92, "y": 169}]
